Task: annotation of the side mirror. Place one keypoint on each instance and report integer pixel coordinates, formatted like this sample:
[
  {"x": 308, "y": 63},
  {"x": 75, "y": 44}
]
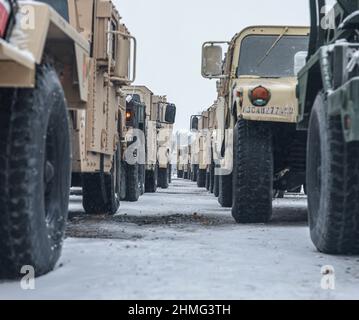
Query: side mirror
[
  {"x": 126, "y": 56},
  {"x": 194, "y": 123},
  {"x": 170, "y": 115},
  {"x": 300, "y": 60},
  {"x": 212, "y": 60}
]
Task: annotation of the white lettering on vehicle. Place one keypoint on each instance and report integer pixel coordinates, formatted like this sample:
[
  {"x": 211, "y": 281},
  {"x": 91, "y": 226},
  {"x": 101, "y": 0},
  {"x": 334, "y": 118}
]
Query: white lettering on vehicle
[{"x": 284, "y": 111}]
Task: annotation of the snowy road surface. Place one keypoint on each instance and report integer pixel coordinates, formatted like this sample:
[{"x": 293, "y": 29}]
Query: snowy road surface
[{"x": 179, "y": 244}]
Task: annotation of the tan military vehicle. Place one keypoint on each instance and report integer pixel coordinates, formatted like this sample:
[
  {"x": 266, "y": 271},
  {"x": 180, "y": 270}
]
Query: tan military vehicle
[
  {"x": 210, "y": 148},
  {"x": 258, "y": 78},
  {"x": 140, "y": 139},
  {"x": 184, "y": 154},
  {"x": 203, "y": 130},
  {"x": 61, "y": 73},
  {"x": 166, "y": 114},
  {"x": 179, "y": 154},
  {"x": 201, "y": 143},
  {"x": 193, "y": 142}
]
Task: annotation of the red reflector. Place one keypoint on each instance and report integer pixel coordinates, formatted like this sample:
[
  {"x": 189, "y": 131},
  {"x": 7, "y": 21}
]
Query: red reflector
[
  {"x": 260, "y": 96},
  {"x": 4, "y": 17}
]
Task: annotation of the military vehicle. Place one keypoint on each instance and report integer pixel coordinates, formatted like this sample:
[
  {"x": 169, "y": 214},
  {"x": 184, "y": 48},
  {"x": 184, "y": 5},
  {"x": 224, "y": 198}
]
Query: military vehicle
[
  {"x": 328, "y": 109},
  {"x": 166, "y": 113},
  {"x": 134, "y": 144},
  {"x": 184, "y": 155},
  {"x": 154, "y": 117},
  {"x": 210, "y": 181},
  {"x": 259, "y": 93},
  {"x": 201, "y": 148},
  {"x": 61, "y": 73}
]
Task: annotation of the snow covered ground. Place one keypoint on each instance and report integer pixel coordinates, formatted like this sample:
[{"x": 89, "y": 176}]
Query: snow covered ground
[{"x": 179, "y": 244}]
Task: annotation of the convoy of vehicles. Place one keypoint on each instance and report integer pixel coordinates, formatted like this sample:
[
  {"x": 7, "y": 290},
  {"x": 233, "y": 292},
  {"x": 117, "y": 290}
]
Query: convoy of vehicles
[
  {"x": 286, "y": 116},
  {"x": 290, "y": 120},
  {"x": 258, "y": 87},
  {"x": 63, "y": 110}
]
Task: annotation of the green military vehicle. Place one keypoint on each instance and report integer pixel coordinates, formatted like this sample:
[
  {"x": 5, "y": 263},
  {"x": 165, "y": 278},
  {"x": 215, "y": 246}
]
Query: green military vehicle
[{"x": 328, "y": 93}]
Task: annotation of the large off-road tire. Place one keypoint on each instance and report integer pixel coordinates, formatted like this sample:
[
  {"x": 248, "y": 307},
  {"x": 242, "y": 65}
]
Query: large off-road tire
[
  {"x": 163, "y": 178},
  {"x": 169, "y": 173},
  {"x": 151, "y": 180},
  {"x": 194, "y": 172},
  {"x": 211, "y": 178},
  {"x": 180, "y": 174},
  {"x": 332, "y": 184},
  {"x": 252, "y": 172},
  {"x": 102, "y": 191},
  {"x": 201, "y": 178},
  {"x": 208, "y": 180},
  {"x": 225, "y": 185},
  {"x": 185, "y": 175},
  {"x": 142, "y": 178},
  {"x": 189, "y": 173},
  {"x": 123, "y": 177},
  {"x": 133, "y": 183},
  {"x": 216, "y": 186},
  {"x": 35, "y": 171}
]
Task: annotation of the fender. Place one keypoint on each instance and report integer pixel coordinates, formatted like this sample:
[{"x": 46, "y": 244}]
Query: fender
[{"x": 37, "y": 26}]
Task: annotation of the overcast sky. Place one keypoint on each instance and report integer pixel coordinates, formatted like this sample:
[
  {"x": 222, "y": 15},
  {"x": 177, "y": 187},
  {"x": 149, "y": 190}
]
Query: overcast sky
[{"x": 170, "y": 35}]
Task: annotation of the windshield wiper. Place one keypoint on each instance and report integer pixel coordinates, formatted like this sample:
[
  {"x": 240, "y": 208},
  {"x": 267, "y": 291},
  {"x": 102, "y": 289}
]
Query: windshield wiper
[{"x": 273, "y": 46}]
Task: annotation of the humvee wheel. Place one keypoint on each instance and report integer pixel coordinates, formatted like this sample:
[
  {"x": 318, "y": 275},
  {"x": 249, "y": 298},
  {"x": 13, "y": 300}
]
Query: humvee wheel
[
  {"x": 252, "y": 172},
  {"x": 35, "y": 171},
  {"x": 185, "y": 175},
  {"x": 208, "y": 180},
  {"x": 142, "y": 178},
  {"x": 225, "y": 185},
  {"x": 211, "y": 178},
  {"x": 123, "y": 184},
  {"x": 216, "y": 186},
  {"x": 180, "y": 174},
  {"x": 133, "y": 183},
  {"x": 170, "y": 173},
  {"x": 163, "y": 178},
  {"x": 102, "y": 192},
  {"x": 201, "y": 178},
  {"x": 194, "y": 175},
  {"x": 151, "y": 180},
  {"x": 332, "y": 184}
]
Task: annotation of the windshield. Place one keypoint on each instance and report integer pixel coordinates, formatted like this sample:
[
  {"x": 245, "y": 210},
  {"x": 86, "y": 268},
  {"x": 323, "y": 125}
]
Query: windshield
[{"x": 279, "y": 59}]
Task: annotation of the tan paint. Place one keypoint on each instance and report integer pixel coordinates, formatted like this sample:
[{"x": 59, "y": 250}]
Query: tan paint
[
  {"x": 92, "y": 84},
  {"x": 146, "y": 96},
  {"x": 282, "y": 89}
]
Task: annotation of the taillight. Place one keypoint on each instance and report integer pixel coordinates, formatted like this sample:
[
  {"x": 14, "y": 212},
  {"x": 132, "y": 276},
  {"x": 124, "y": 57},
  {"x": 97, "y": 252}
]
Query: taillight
[
  {"x": 260, "y": 96},
  {"x": 7, "y": 17}
]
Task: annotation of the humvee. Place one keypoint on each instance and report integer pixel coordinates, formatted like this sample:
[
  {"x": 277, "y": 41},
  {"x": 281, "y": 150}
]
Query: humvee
[
  {"x": 184, "y": 155},
  {"x": 199, "y": 127},
  {"x": 133, "y": 146},
  {"x": 154, "y": 117},
  {"x": 204, "y": 128},
  {"x": 166, "y": 113},
  {"x": 259, "y": 92},
  {"x": 210, "y": 182},
  {"x": 62, "y": 65},
  {"x": 328, "y": 109}
]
